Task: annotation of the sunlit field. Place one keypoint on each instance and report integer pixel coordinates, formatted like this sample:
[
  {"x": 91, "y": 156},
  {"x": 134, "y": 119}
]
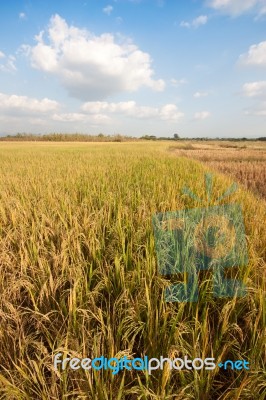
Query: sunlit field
[
  {"x": 243, "y": 161},
  {"x": 79, "y": 275}
]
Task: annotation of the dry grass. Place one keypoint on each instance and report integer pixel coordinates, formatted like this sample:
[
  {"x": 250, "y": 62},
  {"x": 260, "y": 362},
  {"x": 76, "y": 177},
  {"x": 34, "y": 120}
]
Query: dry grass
[
  {"x": 79, "y": 275},
  {"x": 244, "y": 162}
]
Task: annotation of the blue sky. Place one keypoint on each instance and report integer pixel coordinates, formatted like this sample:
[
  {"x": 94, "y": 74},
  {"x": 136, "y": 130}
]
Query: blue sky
[{"x": 135, "y": 67}]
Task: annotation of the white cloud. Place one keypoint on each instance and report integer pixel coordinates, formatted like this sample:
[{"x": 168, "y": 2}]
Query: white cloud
[
  {"x": 201, "y": 20},
  {"x": 236, "y": 7},
  {"x": 80, "y": 117},
  {"x": 256, "y": 55},
  {"x": 202, "y": 115},
  {"x": 185, "y": 24},
  {"x": 13, "y": 104},
  {"x": 197, "y": 95},
  {"x": 69, "y": 117},
  {"x": 168, "y": 112},
  {"x": 255, "y": 89},
  {"x": 91, "y": 67},
  {"x": 177, "y": 83},
  {"x": 262, "y": 11},
  {"x": 98, "y": 106},
  {"x": 8, "y": 64},
  {"x": 259, "y": 111},
  {"x": 22, "y": 15},
  {"x": 108, "y": 9}
]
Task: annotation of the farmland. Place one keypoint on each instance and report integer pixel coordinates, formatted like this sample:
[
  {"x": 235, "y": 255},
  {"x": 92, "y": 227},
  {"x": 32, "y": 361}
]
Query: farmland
[
  {"x": 243, "y": 161},
  {"x": 79, "y": 271}
]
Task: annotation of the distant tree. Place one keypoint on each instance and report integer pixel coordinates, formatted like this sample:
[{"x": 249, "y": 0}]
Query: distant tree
[
  {"x": 176, "y": 136},
  {"x": 149, "y": 137},
  {"x": 118, "y": 138}
]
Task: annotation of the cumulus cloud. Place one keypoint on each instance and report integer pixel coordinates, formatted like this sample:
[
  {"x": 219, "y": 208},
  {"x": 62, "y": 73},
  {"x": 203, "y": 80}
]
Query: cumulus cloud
[
  {"x": 91, "y": 67},
  {"x": 201, "y": 20},
  {"x": 236, "y": 7},
  {"x": 23, "y": 105},
  {"x": 108, "y": 9},
  {"x": 202, "y": 115},
  {"x": 256, "y": 55},
  {"x": 2, "y": 55},
  {"x": 168, "y": 112},
  {"x": 197, "y": 95},
  {"x": 255, "y": 89}
]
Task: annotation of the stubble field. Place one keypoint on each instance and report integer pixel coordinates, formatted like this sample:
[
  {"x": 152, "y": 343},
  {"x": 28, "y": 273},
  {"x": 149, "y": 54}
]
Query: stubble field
[
  {"x": 78, "y": 271},
  {"x": 243, "y": 161}
]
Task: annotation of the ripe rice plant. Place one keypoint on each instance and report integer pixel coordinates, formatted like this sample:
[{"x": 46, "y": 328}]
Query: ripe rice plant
[{"x": 79, "y": 276}]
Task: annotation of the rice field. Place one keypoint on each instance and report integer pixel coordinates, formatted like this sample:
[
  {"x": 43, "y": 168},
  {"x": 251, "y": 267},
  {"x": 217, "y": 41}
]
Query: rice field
[
  {"x": 79, "y": 275},
  {"x": 246, "y": 163}
]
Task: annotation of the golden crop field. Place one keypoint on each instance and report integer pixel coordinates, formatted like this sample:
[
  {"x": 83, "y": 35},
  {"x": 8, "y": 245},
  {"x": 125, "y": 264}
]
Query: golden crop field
[{"x": 79, "y": 274}]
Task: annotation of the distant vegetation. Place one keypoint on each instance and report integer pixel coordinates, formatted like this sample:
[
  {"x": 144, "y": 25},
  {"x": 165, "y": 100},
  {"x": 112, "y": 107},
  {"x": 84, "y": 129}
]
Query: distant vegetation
[
  {"x": 79, "y": 137},
  {"x": 66, "y": 137}
]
